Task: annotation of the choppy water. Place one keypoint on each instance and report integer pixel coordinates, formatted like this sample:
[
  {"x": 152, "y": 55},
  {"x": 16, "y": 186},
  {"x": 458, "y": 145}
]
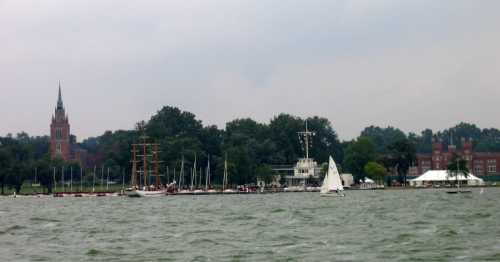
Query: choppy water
[{"x": 411, "y": 225}]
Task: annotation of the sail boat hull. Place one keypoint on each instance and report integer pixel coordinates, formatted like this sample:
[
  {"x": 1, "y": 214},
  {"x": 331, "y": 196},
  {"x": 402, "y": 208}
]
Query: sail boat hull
[
  {"x": 143, "y": 193},
  {"x": 332, "y": 194}
]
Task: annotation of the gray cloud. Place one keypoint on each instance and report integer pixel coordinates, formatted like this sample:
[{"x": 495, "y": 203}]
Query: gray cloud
[{"x": 410, "y": 64}]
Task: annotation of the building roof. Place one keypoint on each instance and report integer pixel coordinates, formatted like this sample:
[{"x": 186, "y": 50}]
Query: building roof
[
  {"x": 59, "y": 99},
  {"x": 443, "y": 175}
]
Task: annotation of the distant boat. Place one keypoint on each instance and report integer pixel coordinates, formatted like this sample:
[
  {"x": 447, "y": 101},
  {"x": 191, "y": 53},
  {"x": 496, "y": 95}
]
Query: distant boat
[
  {"x": 332, "y": 185},
  {"x": 145, "y": 193},
  {"x": 225, "y": 179},
  {"x": 458, "y": 191},
  {"x": 147, "y": 150}
]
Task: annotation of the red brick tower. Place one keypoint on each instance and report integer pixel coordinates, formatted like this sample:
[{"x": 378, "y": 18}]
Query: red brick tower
[
  {"x": 468, "y": 152},
  {"x": 59, "y": 132},
  {"x": 437, "y": 154}
]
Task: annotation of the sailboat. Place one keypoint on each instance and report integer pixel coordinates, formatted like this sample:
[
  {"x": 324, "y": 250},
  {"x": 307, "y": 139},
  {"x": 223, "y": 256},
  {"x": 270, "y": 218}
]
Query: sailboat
[
  {"x": 181, "y": 190},
  {"x": 207, "y": 179},
  {"x": 195, "y": 188},
  {"x": 226, "y": 190},
  {"x": 457, "y": 173},
  {"x": 332, "y": 185}
]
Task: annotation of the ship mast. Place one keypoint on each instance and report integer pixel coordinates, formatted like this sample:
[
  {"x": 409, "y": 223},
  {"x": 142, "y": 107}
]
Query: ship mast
[
  {"x": 145, "y": 162},
  {"x": 150, "y": 155},
  {"x": 307, "y": 137},
  {"x": 224, "y": 179},
  {"x": 156, "y": 164},
  {"x": 133, "y": 180}
]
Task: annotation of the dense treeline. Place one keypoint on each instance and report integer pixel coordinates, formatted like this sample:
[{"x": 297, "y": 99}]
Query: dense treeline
[{"x": 251, "y": 148}]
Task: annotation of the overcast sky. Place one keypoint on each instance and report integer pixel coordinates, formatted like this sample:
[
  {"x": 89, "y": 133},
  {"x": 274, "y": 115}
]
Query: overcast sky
[{"x": 410, "y": 64}]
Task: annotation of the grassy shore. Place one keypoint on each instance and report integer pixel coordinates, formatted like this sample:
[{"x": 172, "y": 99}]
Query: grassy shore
[{"x": 28, "y": 189}]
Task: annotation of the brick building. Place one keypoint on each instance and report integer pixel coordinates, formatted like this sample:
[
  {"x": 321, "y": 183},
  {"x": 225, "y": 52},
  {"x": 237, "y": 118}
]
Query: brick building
[
  {"x": 60, "y": 146},
  {"x": 479, "y": 163},
  {"x": 61, "y": 143}
]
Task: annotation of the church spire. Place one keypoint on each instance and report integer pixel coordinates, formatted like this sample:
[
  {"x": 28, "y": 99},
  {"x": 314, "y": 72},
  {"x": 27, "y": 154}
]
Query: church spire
[{"x": 59, "y": 99}]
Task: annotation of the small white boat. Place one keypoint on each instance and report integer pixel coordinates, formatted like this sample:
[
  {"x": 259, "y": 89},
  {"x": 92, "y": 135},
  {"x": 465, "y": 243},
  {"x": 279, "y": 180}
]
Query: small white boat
[
  {"x": 198, "y": 192},
  {"x": 332, "y": 185},
  {"x": 211, "y": 191},
  {"x": 144, "y": 193},
  {"x": 313, "y": 189},
  {"x": 184, "y": 192},
  {"x": 229, "y": 191},
  {"x": 295, "y": 189}
]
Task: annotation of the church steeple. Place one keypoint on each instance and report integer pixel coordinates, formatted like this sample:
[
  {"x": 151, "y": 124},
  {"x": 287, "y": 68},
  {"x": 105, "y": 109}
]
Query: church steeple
[
  {"x": 60, "y": 144},
  {"x": 59, "y": 99}
]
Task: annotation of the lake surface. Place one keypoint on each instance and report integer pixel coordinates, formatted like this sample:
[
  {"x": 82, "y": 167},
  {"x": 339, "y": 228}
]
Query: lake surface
[{"x": 409, "y": 225}]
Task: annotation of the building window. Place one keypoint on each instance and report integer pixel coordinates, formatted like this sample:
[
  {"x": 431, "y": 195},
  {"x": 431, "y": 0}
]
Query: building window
[
  {"x": 478, "y": 170},
  {"x": 58, "y": 148},
  {"x": 59, "y": 133},
  {"x": 426, "y": 166},
  {"x": 492, "y": 168}
]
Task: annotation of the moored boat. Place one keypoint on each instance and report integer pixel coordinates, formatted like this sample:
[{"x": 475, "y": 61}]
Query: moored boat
[
  {"x": 229, "y": 191},
  {"x": 212, "y": 191},
  {"x": 58, "y": 194},
  {"x": 141, "y": 186},
  {"x": 145, "y": 193}
]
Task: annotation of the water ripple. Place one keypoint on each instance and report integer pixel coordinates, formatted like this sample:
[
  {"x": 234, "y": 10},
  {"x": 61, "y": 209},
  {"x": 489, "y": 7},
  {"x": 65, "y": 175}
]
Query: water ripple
[{"x": 410, "y": 225}]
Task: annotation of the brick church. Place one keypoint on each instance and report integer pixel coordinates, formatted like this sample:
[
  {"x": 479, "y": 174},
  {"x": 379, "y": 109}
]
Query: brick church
[
  {"x": 62, "y": 144},
  {"x": 479, "y": 163}
]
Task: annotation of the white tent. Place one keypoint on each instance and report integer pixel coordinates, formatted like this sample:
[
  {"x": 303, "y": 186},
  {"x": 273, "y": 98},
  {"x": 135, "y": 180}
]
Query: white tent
[
  {"x": 368, "y": 180},
  {"x": 442, "y": 176}
]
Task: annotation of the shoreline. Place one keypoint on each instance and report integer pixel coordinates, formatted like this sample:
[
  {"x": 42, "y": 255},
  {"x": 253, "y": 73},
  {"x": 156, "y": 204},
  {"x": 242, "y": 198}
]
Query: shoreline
[{"x": 114, "y": 193}]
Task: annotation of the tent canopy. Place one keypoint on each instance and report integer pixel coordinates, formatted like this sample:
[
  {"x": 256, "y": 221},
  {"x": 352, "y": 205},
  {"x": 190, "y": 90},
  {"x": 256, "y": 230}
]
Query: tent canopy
[
  {"x": 368, "y": 180},
  {"x": 443, "y": 175}
]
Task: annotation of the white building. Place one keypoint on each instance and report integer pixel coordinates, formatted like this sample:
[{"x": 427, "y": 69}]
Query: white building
[{"x": 347, "y": 180}]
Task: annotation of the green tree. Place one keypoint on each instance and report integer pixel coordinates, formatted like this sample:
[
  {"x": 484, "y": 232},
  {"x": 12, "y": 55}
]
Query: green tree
[
  {"x": 265, "y": 173},
  {"x": 357, "y": 155},
  {"x": 383, "y": 137},
  {"x": 283, "y": 131},
  {"x": 5, "y": 166},
  {"x": 45, "y": 170},
  {"x": 400, "y": 155},
  {"x": 457, "y": 167},
  {"x": 376, "y": 171},
  {"x": 246, "y": 143},
  {"x": 325, "y": 142},
  {"x": 20, "y": 163}
]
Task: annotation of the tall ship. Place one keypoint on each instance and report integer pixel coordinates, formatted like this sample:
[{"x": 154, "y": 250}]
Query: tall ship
[{"x": 145, "y": 168}]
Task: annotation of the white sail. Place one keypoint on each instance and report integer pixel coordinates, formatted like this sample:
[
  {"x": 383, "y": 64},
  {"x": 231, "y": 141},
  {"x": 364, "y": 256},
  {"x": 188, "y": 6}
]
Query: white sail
[{"x": 332, "y": 180}]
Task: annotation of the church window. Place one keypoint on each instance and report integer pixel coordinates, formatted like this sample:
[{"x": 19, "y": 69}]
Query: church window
[
  {"x": 58, "y": 133},
  {"x": 58, "y": 148}
]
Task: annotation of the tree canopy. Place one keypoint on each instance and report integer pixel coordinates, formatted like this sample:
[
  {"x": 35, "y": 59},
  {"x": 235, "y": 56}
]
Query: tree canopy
[{"x": 252, "y": 148}]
